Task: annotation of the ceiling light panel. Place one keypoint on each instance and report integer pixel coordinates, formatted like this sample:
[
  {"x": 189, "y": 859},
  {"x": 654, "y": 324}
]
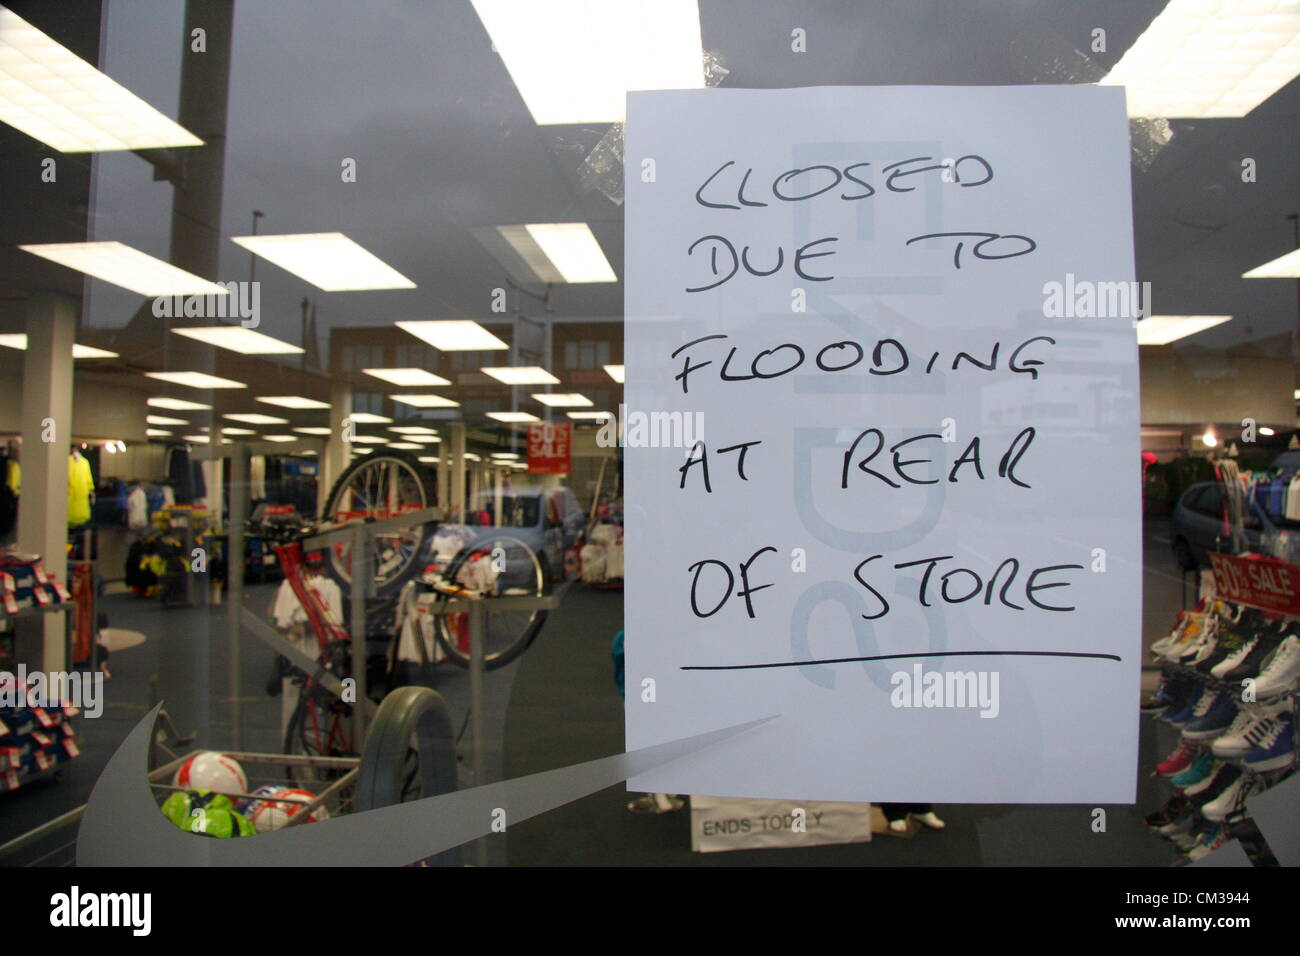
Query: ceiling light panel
[
  {"x": 407, "y": 377},
  {"x": 425, "y": 401},
  {"x": 1283, "y": 267},
  {"x": 120, "y": 265},
  {"x": 164, "y": 420},
  {"x": 236, "y": 338},
  {"x": 195, "y": 380},
  {"x": 256, "y": 418},
  {"x": 55, "y": 96},
  {"x": 563, "y": 399},
  {"x": 1163, "y": 329},
  {"x": 1210, "y": 58},
  {"x": 453, "y": 335},
  {"x": 176, "y": 404},
  {"x": 292, "y": 401},
  {"x": 573, "y": 250},
  {"x": 615, "y": 372},
  {"x": 18, "y": 340},
  {"x": 513, "y": 417},
  {"x": 574, "y": 61},
  {"x": 521, "y": 375},
  {"x": 328, "y": 260}
]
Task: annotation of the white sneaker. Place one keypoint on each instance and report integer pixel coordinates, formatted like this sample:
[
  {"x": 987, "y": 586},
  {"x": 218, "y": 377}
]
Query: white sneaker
[
  {"x": 1280, "y": 673},
  {"x": 1248, "y": 731},
  {"x": 931, "y": 820},
  {"x": 1230, "y": 801},
  {"x": 1221, "y": 669}
]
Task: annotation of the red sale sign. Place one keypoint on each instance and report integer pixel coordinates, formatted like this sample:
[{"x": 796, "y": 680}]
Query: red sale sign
[
  {"x": 549, "y": 447},
  {"x": 1265, "y": 583}
]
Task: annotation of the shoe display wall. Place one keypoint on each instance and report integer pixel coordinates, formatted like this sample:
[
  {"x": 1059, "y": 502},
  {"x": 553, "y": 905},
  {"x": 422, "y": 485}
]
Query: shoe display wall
[{"x": 1229, "y": 675}]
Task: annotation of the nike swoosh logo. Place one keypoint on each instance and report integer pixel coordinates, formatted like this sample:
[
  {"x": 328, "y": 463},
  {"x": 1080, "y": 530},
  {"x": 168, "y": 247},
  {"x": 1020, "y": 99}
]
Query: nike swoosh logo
[{"x": 122, "y": 825}]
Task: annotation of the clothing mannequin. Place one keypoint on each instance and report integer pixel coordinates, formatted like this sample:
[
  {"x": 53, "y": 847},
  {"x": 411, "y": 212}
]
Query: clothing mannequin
[
  {"x": 81, "y": 488},
  {"x": 897, "y": 814}
]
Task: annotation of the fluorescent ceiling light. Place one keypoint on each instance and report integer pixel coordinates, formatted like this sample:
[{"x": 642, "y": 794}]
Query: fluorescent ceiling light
[
  {"x": 328, "y": 260},
  {"x": 18, "y": 340},
  {"x": 562, "y": 399},
  {"x": 1283, "y": 267},
  {"x": 521, "y": 375},
  {"x": 156, "y": 433},
  {"x": 590, "y": 416},
  {"x": 315, "y": 430},
  {"x": 55, "y": 96},
  {"x": 513, "y": 417},
  {"x": 197, "y": 439},
  {"x": 405, "y": 445},
  {"x": 367, "y": 418},
  {"x": 406, "y": 377},
  {"x": 574, "y": 61},
  {"x": 470, "y": 456},
  {"x": 425, "y": 401},
  {"x": 362, "y": 451},
  {"x": 236, "y": 338},
  {"x": 119, "y": 264},
  {"x": 256, "y": 418},
  {"x": 412, "y": 430},
  {"x": 1266, "y": 431},
  {"x": 429, "y": 459},
  {"x": 176, "y": 404},
  {"x": 505, "y": 454},
  {"x": 1210, "y": 58},
  {"x": 1163, "y": 329},
  {"x": 1297, "y": 395},
  {"x": 292, "y": 401},
  {"x": 454, "y": 335},
  {"x": 280, "y": 438},
  {"x": 238, "y": 431},
  {"x": 573, "y": 251},
  {"x": 615, "y": 372},
  {"x": 164, "y": 420},
  {"x": 195, "y": 379},
  {"x": 369, "y": 440}
]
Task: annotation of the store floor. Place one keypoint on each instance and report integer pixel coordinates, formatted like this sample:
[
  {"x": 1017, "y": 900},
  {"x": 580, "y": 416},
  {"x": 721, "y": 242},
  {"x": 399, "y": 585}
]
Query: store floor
[{"x": 556, "y": 706}]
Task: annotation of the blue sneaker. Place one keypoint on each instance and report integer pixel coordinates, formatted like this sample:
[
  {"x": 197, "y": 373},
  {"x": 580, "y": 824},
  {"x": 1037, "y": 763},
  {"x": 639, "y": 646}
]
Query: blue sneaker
[
  {"x": 1198, "y": 705},
  {"x": 1201, "y": 768},
  {"x": 1277, "y": 750},
  {"x": 1214, "y": 721}
]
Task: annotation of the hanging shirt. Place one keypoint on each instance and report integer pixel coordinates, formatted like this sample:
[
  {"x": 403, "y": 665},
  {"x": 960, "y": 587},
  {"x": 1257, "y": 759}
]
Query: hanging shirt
[
  {"x": 1293, "y": 499},
  {"x": 80, "y": 485},
  {"x": 137, "y": 508},
  {"x": 289, "y": 614},
  {"x": 14, "y": 477}
]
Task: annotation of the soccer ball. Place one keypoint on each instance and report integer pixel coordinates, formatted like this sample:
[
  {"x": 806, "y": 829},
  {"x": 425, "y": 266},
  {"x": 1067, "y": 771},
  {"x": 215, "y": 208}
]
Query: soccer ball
[
  {"x": 206, "y": 813},
  {"x": 214, "y": 771},
  {"x": 269, "y": 814}
]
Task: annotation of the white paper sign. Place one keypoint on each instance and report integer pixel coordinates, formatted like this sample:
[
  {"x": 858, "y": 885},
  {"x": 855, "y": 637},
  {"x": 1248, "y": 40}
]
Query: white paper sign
[
  {"x": 720, "y": 824},
  {"x": 882, "y": 461}
]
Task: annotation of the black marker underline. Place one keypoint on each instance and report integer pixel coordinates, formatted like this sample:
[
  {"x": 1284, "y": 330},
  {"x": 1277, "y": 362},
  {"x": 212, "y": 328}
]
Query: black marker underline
[{"x": 894, "y": 657}]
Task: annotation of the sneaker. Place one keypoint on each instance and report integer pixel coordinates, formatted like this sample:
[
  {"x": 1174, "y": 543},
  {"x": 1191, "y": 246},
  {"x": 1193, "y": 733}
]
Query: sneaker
[
  {"x": 1199, "y": 647},
  {"x": 1277, "y": 750},
  {"x": 1217, "y": 718},
  {"x": 1194, "y": 707},
  {"x": 1179, "y": 827},
  {"x": 1174, "y": 808},
  {"x": 1281, "y": 672},
  {"x": 1232, "y": 641},
  {"x": 1162, "y": 646},
  {"x": 1212, "y": 840},
  {"x": 1179, "y": 760},
  {"x": 1223, "y": 777},
  {"x": 1235, "y": 659},
  {"x": 1232, "y": 800},
  {"x": 1250, "y": 665},
  {"x": 1200, "y": 769},
  {"x": 1248, "y": 731}
]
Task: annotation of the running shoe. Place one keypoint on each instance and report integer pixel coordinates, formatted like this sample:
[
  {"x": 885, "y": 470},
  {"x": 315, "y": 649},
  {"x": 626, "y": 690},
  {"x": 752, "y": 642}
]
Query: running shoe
[
  {"x": 1277, "y": 750},
  {"x": 1281, "y": 671},
  {"x": 1198, "y": 772},
  {"x": 1198, "y": 705},
  {"x": 1179, "y": 760},
  {"x": 1253, "y": 724},
  {"x": 1214, "y": 721}
]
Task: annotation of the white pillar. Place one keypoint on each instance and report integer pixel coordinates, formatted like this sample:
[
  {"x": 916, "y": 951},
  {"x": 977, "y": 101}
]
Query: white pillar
[
  {"x": 457, "y": 455},
  {"x": 46, "y": 433},
  {"x": 337, "y": 453}
]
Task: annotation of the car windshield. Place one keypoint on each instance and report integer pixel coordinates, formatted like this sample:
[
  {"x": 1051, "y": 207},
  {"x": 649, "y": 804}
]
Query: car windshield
[{"x": 517, "y": 511}]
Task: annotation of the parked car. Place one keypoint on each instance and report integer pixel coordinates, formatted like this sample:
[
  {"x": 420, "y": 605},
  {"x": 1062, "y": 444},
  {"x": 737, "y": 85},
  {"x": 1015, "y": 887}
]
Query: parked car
[{"x": 1198, "y": 526}]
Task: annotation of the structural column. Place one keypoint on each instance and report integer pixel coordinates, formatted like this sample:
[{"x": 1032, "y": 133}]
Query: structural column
[
  {"x": 46, "y": 434},
  {"x": 458, "y": 470},
  {"x": 337, "y": 452}
]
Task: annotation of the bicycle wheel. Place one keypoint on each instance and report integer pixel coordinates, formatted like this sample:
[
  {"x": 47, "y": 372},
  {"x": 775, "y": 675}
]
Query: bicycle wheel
[
  {"x": 382, "y": 485},
  {"x": 501, "y": 565},
  {"x": 320, "y": 727}
]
